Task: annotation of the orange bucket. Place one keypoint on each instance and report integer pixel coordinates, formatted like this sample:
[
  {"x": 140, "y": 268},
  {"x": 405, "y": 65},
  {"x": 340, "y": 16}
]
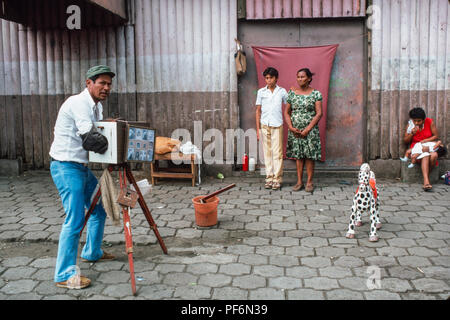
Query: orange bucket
[{"x": 205, "y": 213}]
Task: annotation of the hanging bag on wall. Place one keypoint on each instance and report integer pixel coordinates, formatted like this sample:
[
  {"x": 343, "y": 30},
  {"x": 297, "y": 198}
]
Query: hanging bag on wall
[{"x": 240, "y": 59}]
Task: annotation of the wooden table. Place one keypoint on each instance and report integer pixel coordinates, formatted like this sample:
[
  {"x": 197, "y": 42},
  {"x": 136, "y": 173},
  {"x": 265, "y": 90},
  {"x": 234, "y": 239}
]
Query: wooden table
[{"x": 174, "y": 172}]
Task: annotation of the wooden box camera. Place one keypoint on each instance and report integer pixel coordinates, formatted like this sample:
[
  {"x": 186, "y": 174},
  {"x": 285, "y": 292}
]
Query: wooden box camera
[{"x": 127, "y": 142}]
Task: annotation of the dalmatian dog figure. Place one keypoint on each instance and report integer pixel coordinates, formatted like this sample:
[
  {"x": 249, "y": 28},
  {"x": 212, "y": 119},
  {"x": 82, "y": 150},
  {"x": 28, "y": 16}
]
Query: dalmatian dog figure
[{"x": 365, "y": 199}]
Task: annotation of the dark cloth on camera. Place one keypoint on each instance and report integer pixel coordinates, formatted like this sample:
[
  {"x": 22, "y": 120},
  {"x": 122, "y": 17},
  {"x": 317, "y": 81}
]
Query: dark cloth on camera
[{"x": 94, "y": 141}]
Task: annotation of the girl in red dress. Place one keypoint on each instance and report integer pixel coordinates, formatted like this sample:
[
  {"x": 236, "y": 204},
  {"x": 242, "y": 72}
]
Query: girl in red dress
[{"x": 424, "y": 131}]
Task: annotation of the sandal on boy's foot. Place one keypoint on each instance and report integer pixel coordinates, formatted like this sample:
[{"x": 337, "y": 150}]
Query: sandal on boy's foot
[
  {"x": 105, "y": 257},
  {"x": 309, "y": 188},
  {"x": 268, "y": 185},
  {"x": 276, "y": 186},
  {"x": 373, "y": 238},
  {"x": 298, "y": 187},
  {"x": 427, "y": 187},
  {"x": 75, "y": 282}
]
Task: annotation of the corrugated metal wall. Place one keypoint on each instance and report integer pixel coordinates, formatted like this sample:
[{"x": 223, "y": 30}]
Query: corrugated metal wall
[
  {"x": 281, "y": 9},
  {"x": 173, "y": 65},
  {"x": 410, "y": 67},
  {"x": 184, "y": 63}
]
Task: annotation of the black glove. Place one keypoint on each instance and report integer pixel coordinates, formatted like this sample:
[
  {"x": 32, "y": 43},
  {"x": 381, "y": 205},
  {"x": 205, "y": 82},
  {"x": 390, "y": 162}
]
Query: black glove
[{"x": 94, "y": 141}]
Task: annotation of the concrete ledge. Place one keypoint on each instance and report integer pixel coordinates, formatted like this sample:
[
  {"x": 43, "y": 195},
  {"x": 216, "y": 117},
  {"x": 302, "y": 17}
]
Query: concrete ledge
[
  {"x": 11, "y": 167},
  {"x": 386, "y": 168},
  {"x": 414, "y": 175}
]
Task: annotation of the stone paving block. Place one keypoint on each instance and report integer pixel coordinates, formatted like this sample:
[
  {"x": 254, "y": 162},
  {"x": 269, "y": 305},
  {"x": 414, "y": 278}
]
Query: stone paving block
[
  {"x": 349, "y": 261},
  {"x": 268, "y": 271},
  {"x": 316, "y": 262},
  {"x": 253, "y": 259},
  {"x": 235, "y": 269},
  {"x": 267, "y": 294},
  {"x": 442, "y": 235},
  {"x": 45, "y": 262},
  {"x": 441, "y": 261},
  {"x": 229, "y": 293},
  {"x": 249, "y": 282},
  {"x": 402, "y": 242},
  {"x": 344, "y": 294},
  {"x": 19, "y": 286},
  {"x": 179, "y": 279},
  {"x": 16, "y": 261},
  {"x": 202, "y": 268},
  {"x": 241, "y": 249},
  {"x": 395, "y": 285},
  {"x": 381, "y": 261},
  {"x": 302, "y": 272},
  {"x": 193, "y": 292},
  {"x": 335, "y": 272},
  {"x": 321, "y": 283},
  {"x": 354, "y": 283},
  {"x": 305, "y": 294},
  {"x": 405, "y": 272},
  {"x": 313, "y": 242},
  {"x": 113, "y": 277},
  {"x": 215, "y": 280},
  {"x": 25, "y": 296},
  {"x": 418, "y": 296},
  {"x": 284, "y": 261},
  {"x": 18, "y": 273},
  {"x": 422, "y": 252},
  {"x": 381, "y": 295},
  {"x": 413, "y": 261},
  {"x": 392, "y": 251},
  {"x": 269, "y": 250},
  {"x": 285, "y": 282},
  {"x": 122, "y": 290},
  {"x": 285, "y": 241}
]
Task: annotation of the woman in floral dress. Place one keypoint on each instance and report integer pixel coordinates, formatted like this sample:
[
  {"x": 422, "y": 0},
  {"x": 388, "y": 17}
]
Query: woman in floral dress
[{"x": 302, "y": 114}]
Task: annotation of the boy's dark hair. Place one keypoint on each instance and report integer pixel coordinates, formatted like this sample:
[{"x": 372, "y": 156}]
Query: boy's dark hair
[
  {"x": 271, "y": 72},
  {"x": 441, "y": 151},
  {"x": 417, "y": 113}
]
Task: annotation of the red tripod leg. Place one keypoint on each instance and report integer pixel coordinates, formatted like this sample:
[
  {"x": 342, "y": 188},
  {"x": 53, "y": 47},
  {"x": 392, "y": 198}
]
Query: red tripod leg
[
  {"x": 127, "y": 232},
  {"x": 145, "y": 209},
  {"x": 129, "y": 246}
]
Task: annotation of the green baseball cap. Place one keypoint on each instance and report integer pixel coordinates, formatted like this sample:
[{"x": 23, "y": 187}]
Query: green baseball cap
[{"x": 97, "y": 70}]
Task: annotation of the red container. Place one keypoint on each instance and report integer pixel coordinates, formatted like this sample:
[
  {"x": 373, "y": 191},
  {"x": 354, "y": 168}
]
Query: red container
[
  {"x": 205, "y": 213},
  {"x": 245, "y": 163}
]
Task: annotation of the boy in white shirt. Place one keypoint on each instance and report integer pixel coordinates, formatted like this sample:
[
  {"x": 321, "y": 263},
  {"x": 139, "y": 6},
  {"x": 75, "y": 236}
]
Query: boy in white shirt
[{"x": 269, "y": 125}]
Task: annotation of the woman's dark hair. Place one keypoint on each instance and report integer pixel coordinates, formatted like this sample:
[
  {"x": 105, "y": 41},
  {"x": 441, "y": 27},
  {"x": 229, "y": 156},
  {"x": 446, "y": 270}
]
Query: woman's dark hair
[
  {"x": 271, "y": 72},
  {"x": 441, "y": 151},
  {"x": 417, "y": 113},
  {"x": 308, "y": 72}
]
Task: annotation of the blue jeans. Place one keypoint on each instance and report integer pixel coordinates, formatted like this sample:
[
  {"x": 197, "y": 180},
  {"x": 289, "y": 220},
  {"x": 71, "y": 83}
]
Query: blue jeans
[{"x": 75, "y": 184}]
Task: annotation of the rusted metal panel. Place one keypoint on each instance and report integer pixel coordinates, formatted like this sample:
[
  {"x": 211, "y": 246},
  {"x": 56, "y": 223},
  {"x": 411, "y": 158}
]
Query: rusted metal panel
[
  {"x": 409, "y": 68},
  {"x": 346, "y": 97},
  {"x": 284, "y": 9},
  {"x": 117, "y": 7},
  {"x": 174, "y": 65}
]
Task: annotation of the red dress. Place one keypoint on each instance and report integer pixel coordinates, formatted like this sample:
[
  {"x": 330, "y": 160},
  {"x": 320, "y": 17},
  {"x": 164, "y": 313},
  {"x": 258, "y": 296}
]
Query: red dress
[{"x": 425, "y": 133}]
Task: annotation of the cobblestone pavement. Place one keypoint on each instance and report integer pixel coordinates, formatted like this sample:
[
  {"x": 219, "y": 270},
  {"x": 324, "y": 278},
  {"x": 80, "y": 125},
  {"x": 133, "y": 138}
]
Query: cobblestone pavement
[{"x": 267, "y": 244}]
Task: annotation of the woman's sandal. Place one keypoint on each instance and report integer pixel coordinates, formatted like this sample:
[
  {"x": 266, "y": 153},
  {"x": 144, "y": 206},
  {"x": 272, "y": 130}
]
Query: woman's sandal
[
  {"x": 298, "y": 187},
  {"x": 427, "y": 187},
  {"x": 105, "y": 257},
  {"x": 309, "y": 188},
  {"x": 74, "y": 282}
]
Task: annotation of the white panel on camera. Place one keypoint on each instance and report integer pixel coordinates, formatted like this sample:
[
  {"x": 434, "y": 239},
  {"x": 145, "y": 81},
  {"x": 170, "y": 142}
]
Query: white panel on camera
[{"x": 114, "y": 133}]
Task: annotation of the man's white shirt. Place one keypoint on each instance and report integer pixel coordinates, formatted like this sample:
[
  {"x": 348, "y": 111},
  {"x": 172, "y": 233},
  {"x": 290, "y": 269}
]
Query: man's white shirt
[
  {"x": 76, "y": 117},
  {"x": 271, "y": 105}
]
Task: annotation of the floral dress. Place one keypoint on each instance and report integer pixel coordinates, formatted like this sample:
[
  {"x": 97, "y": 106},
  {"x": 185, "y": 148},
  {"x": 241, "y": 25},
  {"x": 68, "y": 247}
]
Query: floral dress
[{"x": 303, "y": 111}]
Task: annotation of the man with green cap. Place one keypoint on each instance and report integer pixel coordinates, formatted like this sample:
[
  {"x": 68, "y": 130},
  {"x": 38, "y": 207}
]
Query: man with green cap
[{"x": 74, "y": 137}]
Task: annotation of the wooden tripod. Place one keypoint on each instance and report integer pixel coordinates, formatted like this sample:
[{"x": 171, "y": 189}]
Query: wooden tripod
[{"x": 124, "y": 174}]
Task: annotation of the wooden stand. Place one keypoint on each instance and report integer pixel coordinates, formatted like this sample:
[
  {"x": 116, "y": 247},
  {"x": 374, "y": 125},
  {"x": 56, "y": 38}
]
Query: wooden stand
[
  {"x": 124, "y": 173},
  {"x": 174, "y": 172}
]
